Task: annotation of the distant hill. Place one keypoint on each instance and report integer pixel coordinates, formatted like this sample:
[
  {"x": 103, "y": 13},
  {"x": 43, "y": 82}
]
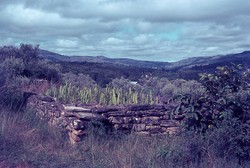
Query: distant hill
[
  {"x": 103, "y": 69},
  {"x": 101, "y": 59},
  {"x": 185, "y": 64},
  {"x": 212, "y": 61}
]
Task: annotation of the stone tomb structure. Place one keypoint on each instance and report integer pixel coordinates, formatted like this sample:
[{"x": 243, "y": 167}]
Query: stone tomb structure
[{"x": 139, "y": 119}]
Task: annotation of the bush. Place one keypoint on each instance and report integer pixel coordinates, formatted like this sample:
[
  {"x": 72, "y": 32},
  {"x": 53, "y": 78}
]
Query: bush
[
  {"x": 43, "y": 70},
  {"x": 18, "y": 67},
  {"x": 80, "y": 80},
  {"x": 166, "y": 89},
  {"x": 24, "y": 61},
  {"x": 224, "y": 106},
  {"x": 12, "y": 68},
  {"x": 125, "y": 84}
]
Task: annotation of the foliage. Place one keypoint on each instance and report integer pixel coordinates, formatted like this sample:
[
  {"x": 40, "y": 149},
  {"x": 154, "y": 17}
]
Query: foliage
[
  {"x": 11, "y": 68},
  {"x": 165, "y": 89},
  {"x": 10, "y": 71},
  {"x": 43, "y": 70},
  {"x": 24, "y": 61},
  {"x": 19, "y": 64},
  {"x": 28, "y": 53},
  {"x": 27, "y": 141},
  {"x": 225, "y": 103},
  {"x": 125, "y": 84},
  {"x": 104, "y": 73},
  {"x": 79, "y": 80},
  {"x": 103, "y": 96},
  {"x": 217, "y": 117}
]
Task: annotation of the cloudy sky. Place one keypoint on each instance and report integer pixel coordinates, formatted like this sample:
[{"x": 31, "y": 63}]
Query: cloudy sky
[{"x": 163, "y": 30}]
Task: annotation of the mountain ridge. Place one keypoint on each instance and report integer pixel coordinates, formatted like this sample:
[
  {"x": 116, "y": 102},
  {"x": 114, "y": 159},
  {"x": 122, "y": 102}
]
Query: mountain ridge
[
  {"x": 189, "y": 63},
  {"x": 102, "y": 59}
]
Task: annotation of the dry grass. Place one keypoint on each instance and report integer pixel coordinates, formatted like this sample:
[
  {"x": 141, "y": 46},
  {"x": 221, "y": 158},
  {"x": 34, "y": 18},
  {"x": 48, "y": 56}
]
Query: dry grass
[{"x": 26, "y": 142}]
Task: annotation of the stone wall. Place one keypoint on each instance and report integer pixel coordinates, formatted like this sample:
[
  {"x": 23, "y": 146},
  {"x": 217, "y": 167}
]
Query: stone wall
[{"x": 139, "y": 119}]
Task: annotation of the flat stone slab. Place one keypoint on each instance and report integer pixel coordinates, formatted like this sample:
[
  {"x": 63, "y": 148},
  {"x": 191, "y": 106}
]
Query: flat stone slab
[
  {"x": 76, "y": 109},
  {"x": 84, "y": 115}
]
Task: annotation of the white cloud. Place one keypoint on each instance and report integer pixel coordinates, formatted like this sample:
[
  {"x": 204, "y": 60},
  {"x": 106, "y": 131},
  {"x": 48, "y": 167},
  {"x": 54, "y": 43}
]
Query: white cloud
[
  {"x": 141, "y": 39},
  {"x": 22, "y": 16},
  {"x": 157, "y": 10},
  {"x": 142, "y": 29},
  {"x": 67, "y": 43},
  {"x": 112, "y": 41}
]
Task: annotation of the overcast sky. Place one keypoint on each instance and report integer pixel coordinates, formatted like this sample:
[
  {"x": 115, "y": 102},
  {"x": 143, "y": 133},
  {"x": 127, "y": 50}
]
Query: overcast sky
[{"x": 163, "y": 30}]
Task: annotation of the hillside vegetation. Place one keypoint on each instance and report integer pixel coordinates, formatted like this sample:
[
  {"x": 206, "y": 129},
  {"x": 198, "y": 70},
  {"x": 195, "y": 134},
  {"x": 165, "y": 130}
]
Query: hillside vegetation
[
  {"x": 103, "y": 69},
  {"x": 215, "y": 131}
]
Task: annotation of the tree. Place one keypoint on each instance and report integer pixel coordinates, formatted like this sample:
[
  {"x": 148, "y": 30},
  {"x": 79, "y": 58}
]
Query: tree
[
  {"x": 28, "y": 53},
  {"x": 19, "y": 66}
]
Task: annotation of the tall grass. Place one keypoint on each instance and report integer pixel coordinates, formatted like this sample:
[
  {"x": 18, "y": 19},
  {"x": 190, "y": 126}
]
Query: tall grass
[
  {"x": 103, "y": 96},
  {"x": 26, "y": 141}
]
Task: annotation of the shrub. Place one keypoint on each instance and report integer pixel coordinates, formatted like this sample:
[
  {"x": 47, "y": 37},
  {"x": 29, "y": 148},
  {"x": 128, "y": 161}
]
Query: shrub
[
  {"x": 43, "y": 70},
  {"x": 124, "y": 84},
  {"x": 79, "y": 80},
  {"x": 24, "y": 61},
  {"x": 19, "y": 64},
  {"x": 28, "y": 53},
  {"x": 12, "y": 68},
  {"x": 166, "y": 89},
  {"x": 224, "y": 105},
  {"x": 7, "y": 52}
]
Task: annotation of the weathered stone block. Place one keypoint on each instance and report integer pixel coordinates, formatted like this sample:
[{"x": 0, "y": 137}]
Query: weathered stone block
[
  {"x": 140, "y": 107},
  {"x": 78, "y": 132},
  {"x": 83, "y": 115},
  {"x": 116, "y": 114},
  {"x": 165, "y": 117},
  {"x": 150, "y": 120},
  {"x": 61, "y": 122},
  {"x": 103, "y": 110},
  {"x": 168, "y": 123},
  {"x": 115, "y": 120},
  {"x": 154, "y": 129},
  {"x": 172, "y": 130},
  {"x": 76, "y": 109},
  {"x": 77, "y": 124},
  {"x": 139, "y": 127},
  {"x": 128, "y": 120},
  {"x": 123, "y": 126},
  {"x": 136, "y": 120},
  {"x": 116, "y": 126},
  {"x": 74, "y": 137},
  {"x": 152, "y": 113},
  {"x": 142, "y": 133}
]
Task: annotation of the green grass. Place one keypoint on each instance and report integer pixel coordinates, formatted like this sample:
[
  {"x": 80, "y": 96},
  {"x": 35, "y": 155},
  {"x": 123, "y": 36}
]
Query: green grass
[{"x": 104, "y": 96}]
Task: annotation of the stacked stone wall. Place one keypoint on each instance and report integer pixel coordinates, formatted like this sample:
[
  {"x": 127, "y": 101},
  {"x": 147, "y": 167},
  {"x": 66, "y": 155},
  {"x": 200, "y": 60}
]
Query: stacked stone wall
[{"x": 139, "y": 119}]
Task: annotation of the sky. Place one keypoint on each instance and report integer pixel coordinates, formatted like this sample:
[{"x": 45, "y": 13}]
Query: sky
[{"x": 154, "y": 30}]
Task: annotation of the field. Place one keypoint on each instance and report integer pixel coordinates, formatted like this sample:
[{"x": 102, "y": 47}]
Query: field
[{"x": 214, "y": 133}]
